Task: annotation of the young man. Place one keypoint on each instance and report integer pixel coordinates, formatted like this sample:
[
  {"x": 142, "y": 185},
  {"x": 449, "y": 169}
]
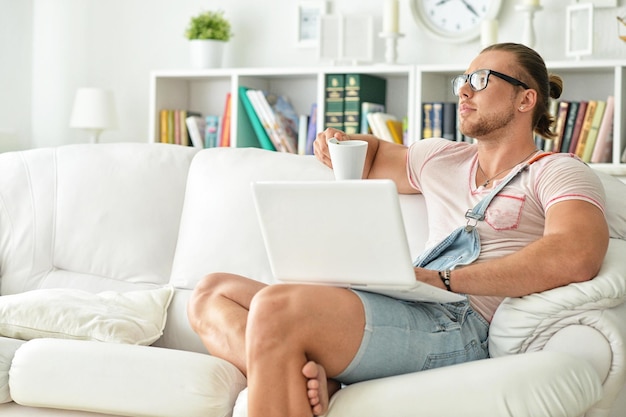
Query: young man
[{"x": 545, "y": 229}]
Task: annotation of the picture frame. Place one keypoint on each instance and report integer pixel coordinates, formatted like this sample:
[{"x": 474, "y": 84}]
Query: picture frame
[
  {"x": 346, "y": 38},
  {"x": 579, "y": 30},
  {"x": 308, "y": 28}
]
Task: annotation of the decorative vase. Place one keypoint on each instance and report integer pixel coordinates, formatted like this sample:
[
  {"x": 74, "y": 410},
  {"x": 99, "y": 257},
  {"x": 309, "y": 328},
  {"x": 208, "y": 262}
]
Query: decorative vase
[{"x": 206, "y": 53}]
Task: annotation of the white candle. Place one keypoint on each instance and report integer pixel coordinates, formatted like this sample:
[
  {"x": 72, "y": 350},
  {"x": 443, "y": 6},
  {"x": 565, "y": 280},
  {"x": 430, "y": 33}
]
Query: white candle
[
  {"x": 488, "y": 32},
  {"x": 390, "y": 16}
]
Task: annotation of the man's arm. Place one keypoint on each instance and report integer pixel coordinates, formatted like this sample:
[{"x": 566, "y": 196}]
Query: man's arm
[
  {"x": 571, "y": 250},
  {"x": 384, "y": 159}
]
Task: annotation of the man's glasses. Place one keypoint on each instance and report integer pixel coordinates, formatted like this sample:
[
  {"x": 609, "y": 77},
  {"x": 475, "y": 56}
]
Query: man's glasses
[{"x": 479, "y": 79}]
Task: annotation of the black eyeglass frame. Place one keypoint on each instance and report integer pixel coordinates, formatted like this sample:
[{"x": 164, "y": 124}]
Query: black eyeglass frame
[{"x": 468, "y": 78}]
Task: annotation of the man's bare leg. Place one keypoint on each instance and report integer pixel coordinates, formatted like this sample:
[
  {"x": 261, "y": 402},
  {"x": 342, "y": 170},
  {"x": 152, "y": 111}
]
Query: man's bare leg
[
  {"x": 319, "y": 388},
  {"x": 288, "y": 326},
  {"x": 218, "y": 312}
]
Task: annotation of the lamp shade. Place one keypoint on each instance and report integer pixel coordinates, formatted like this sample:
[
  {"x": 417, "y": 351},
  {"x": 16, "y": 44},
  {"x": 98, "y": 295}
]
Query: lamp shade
[{"x": 94, "y": 108}]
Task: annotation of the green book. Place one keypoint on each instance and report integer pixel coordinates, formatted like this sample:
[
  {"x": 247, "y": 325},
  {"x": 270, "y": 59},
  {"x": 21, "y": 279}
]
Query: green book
[
  {"x": 359, "y": 89},
  {"x": 250, "y": 131},
  {"x": 334, "y": 98}
]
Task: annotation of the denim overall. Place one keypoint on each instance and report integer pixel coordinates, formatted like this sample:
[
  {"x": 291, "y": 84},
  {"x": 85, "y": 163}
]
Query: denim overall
[{"x": 462, "y": 246}]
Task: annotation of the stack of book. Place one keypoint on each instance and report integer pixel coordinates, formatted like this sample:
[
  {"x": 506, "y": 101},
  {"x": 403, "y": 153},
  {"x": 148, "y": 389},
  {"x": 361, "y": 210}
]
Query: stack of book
[
  {"x": 191, "y": 128},
  {"x": 439, "y": 120},
  {"x": 583, "y": 128},
  {"x": 272, "y": 123},
  {"x": 350, "y": 98}
]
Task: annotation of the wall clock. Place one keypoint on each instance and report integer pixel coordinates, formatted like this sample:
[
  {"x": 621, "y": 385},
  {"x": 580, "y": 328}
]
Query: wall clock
[{"x": 454, "y": 20}]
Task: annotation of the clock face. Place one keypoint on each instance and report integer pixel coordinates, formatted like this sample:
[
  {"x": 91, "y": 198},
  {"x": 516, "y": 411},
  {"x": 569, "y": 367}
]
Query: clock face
[{"x": 454, "y": 20}]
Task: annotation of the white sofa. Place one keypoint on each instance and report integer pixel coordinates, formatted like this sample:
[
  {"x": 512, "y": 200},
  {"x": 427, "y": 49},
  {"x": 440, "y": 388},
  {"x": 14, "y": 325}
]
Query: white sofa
[{"x": 100, "y": 246}]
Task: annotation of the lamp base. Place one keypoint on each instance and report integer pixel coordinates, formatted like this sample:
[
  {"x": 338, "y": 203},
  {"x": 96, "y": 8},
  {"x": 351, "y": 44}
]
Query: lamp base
[{"x": 94, "y": 135}]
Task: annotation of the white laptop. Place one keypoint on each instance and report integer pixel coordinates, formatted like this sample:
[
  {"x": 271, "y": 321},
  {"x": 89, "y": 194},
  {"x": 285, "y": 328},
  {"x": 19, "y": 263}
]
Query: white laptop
[{"x": 342, "y": 233}]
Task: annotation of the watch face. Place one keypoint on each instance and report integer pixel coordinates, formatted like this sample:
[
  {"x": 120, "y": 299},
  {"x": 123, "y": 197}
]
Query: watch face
[{"x": 457, "y": 20}]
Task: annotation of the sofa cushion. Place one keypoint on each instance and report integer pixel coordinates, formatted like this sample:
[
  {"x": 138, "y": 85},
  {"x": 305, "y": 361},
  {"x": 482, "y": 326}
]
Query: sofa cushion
[
  {"x": 97, "y": 217},
  {"x": 126, "y": 380},
  {"x": 7, "y": 351},
  {"x": 219, "y": 230},
  {"x": 135, "y": 317}
]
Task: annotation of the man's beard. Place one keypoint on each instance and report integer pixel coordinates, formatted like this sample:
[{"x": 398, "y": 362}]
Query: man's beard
[{"x": 484, "y": 127}]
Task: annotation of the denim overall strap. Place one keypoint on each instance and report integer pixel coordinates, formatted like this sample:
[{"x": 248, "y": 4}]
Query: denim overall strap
[{"x": 478, "y": 212}]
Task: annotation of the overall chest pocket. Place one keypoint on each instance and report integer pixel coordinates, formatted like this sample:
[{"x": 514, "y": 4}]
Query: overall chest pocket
[{"x": 505, "y": 211}]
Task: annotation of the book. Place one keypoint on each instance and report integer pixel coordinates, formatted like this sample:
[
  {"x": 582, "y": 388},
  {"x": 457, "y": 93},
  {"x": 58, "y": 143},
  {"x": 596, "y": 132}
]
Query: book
[
  {"x": 604, "y": 141},
  {"x": 249, "y": 128},
  {"x": 427, "y": 120},
  {"x": 569, "y": 125},
  {"x": 585, "y": 127},
  {"x": 196, "y": 126},
  {"x": 283, "y": 139},
  {"x": 437, "y": 120},
  {"x": 578, "y": 124},
  {"x": 224, "y": 140},
  {"x": 334, "y": 101},
  {"x": 287, "y": 118},
  {"x": 261, "y": 108},
  {"x": 252, "y": 133},
  {"x": 396, "y": 128},
  {"x": 449, "y": 130},
  {"x": 593, "y": 131},
  {"x": 311, "y": 129},
  {"x": 366, "y": 108},
  {"x": 378, "y": 122},
  {"x": 210, "y": 132},
  {"x": 303, "y": 128},
  {"x": 559, "y": 124},
  {"x": 360, "y": 88}
]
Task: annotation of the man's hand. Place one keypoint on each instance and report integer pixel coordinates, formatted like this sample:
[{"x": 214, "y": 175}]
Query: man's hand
[
  {"x": 429, "y": 277},
  {"x": 320, "y": 146}
]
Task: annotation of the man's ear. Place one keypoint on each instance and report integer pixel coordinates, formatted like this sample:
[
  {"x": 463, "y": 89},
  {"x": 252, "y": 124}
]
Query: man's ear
[{"x": 528, "y": 100}]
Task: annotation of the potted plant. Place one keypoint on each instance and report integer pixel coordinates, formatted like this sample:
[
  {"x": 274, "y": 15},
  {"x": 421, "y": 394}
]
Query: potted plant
[{"x": 208, "y": 32}]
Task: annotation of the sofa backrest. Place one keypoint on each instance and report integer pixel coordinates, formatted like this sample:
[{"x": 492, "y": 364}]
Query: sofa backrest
[
  {"x": 219, "y": 228},
  {"x": 93, "y": 217}
]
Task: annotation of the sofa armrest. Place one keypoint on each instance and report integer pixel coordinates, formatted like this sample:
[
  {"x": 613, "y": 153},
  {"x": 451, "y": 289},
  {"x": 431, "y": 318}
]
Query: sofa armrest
[
  {"x": 532, "y": 320},
  {"x": 569, "y": 318},
  {"x": 119, "y": 379}
]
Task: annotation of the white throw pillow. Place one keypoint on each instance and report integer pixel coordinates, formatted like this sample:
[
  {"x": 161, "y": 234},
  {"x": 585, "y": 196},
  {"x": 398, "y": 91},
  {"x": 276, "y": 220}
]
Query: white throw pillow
[{"x": 135, "y": 317}]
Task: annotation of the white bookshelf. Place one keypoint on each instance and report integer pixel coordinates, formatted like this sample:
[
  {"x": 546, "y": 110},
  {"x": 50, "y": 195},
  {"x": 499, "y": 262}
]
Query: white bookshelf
[{"x": 408, "y": 86}]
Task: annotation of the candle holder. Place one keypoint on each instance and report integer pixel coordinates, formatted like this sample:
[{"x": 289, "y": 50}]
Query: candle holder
[
  {"x": 391, "y": 45},
  {"x": 529, "y": 10}
]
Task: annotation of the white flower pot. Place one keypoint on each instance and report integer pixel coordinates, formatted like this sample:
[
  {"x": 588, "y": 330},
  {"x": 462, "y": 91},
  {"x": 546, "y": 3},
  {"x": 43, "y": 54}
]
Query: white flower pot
[{"x": 206, "y": 53}]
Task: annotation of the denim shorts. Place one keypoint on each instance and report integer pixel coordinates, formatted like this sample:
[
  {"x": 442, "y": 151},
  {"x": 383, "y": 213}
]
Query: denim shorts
[{"x": 403, "y": 336}]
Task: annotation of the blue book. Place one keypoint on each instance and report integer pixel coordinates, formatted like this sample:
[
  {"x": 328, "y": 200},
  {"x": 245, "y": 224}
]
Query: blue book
[{"x": 210, "y": 131}]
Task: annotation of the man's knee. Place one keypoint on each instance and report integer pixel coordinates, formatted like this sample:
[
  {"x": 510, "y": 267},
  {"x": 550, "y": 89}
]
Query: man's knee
[
  {"x": 276, "y": 307},
  {"x": 207, "y": 287}
]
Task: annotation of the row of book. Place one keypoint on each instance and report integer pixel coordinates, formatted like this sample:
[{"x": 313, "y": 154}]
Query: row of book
[
  {"x": 439, "y": 120},
  {"x": 583, "y": 128},
  {"x": 274, "y": 123},
  {"x": 192, "y": 128},
  {"x": 349, "y": 101}
]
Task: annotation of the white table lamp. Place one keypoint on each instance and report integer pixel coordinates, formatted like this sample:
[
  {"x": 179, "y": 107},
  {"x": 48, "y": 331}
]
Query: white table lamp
[{"x": 94, "y": 111}]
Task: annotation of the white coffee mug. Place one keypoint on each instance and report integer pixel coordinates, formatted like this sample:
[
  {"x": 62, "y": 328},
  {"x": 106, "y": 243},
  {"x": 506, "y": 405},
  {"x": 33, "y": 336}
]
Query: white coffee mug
[{"x": 348, "y": 158}]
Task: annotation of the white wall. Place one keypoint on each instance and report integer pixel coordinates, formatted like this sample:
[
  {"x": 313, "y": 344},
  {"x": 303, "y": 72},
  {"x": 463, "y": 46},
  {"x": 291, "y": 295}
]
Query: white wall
[{"x": 49, "y": 48}]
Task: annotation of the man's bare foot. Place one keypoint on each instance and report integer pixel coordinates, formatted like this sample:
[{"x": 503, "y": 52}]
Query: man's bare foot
[{"x": 319, "y": 388}]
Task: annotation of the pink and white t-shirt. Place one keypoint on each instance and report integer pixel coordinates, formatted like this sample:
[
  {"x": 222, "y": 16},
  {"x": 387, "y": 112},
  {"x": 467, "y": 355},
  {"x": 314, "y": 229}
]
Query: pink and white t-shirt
[{"x": 445, "y": 171}]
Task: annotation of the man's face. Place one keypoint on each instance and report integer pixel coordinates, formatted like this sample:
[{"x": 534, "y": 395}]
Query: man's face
[{"x": 486, "y": 113}]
